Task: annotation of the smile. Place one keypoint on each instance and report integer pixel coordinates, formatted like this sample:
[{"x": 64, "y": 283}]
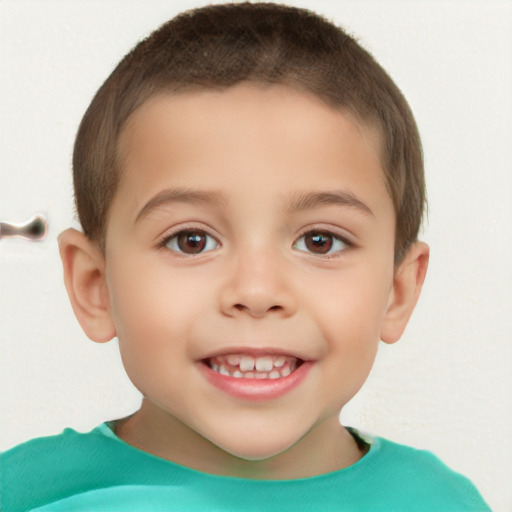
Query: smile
[
  {"x": 242, "y": 366},
  {"x": 255, "y": 377}
]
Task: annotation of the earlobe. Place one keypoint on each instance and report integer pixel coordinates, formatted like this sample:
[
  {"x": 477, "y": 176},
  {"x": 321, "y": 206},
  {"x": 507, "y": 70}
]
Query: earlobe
[
  {"x": 85, "y": 280},
  {"x": 407, "y": 283}
]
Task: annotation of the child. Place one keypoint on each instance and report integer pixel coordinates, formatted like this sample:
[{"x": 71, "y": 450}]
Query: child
[{"x": 250, "y": 186}]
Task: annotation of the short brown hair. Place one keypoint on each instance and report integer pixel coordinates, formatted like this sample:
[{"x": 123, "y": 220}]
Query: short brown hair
[{"x": 218, "y": 46}]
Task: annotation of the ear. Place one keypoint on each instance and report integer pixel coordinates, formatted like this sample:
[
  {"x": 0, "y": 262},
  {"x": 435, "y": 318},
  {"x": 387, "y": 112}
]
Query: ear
[
  {"x": 84, "y": 277},
  {"x": 407, "y": 283}
]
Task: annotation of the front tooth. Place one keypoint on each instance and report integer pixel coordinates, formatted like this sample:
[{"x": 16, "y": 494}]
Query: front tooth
[
  {"x": 246, "y": 364},
  {"x": 264, "y": 364},
  {"x": 274, "y": 375}
]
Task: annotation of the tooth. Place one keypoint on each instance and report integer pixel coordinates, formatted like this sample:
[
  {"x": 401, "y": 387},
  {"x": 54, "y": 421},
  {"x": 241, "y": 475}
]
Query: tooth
[
  {"x": 274, "y": 375},
  {"x": 238, "y": 374},
  {"x": 246, "y": 363},
  {"x": 261, "y": 375},
  {"x": 286, "y": 371},
  {"x": 249, "y": 375},
  {"x": 223, "y": 371},
  {"x": 215, "y": 367},
  {"x": 233, "y": 359},
  {"x": 264, "y": 364},
  {"x": 279, "y": 361}
]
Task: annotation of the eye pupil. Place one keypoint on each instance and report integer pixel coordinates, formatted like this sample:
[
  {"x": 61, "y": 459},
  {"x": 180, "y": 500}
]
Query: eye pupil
[
  {"x": 191, "y": 242},
  {"x": 318, "y": 243}
]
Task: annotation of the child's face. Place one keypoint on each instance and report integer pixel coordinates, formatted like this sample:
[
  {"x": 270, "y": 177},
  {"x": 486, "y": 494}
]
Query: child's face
[{"x": 250, "y": 223}]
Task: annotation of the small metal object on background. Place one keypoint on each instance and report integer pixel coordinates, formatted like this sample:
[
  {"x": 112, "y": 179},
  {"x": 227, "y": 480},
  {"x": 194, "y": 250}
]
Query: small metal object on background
[{"x": 33, "y": 230}]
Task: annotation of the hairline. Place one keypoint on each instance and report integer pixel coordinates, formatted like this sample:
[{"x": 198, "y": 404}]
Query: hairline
[{"x": 175, "y": 90}]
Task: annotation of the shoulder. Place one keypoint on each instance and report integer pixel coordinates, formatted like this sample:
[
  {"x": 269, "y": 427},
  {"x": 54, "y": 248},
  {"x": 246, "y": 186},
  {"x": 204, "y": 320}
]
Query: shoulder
[
  {"x": 418, "y": 480},
  {"x": 46, "y": 468}
]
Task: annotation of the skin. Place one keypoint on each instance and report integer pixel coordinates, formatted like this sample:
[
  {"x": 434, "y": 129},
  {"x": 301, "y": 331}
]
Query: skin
[{"x": 252, "y": 151}]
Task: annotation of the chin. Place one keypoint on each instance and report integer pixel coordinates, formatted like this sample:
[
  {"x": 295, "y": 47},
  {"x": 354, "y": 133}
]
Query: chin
[{"x": 258, "y": 447}]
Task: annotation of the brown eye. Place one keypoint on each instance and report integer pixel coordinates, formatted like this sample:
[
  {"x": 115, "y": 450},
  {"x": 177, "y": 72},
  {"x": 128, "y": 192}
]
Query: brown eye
[
  {"x": 321, "y": 243},
  {"x": 191, "y": 242}
]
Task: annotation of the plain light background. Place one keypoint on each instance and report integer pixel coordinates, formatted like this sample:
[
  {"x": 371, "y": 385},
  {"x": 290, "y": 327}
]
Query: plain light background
[{"x": 446, "y": 386}]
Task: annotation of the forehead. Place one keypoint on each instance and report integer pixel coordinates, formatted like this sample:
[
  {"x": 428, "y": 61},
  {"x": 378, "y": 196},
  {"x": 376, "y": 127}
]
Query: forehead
[{"x": 268, "y": 137}]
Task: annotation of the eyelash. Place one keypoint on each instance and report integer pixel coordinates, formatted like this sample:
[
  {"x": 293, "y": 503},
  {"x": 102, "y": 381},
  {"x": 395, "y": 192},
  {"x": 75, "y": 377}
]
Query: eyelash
[{"x": 335, "y": 237}]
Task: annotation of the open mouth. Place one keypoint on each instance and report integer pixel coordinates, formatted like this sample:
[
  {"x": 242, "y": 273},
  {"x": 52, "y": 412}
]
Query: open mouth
[{"x": 243, "y": 366}]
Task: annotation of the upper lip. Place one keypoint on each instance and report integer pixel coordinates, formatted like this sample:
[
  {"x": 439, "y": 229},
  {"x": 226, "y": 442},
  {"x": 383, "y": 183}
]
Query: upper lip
[{"x": 256, "y": 352}]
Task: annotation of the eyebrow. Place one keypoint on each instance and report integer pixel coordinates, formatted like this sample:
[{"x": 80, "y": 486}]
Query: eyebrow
[
  {"x": 310, "y": 200},
  {"x": 299, "y": 202},
  {"x": 179, "y": 195}
]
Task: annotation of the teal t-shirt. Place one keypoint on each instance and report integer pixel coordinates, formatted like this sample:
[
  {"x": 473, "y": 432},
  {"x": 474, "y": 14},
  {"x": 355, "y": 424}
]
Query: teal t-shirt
[{"x": 99, "y": 472}]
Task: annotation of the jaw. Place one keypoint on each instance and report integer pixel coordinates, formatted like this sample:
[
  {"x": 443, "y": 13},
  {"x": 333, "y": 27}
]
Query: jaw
[{"x": 299, "y": 448}]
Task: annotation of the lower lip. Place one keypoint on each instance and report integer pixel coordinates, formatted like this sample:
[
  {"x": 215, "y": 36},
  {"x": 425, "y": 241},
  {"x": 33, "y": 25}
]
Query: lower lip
[{"x": 257, "y": 389}]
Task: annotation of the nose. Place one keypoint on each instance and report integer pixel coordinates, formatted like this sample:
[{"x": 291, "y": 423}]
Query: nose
[{"x": 257, "y": 286}]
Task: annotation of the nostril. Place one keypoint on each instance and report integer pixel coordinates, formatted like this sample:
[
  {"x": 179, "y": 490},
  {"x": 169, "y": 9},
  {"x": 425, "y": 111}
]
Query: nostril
[
  {"x": 255, "y": 309},
  {"x": 241, "y": 307}
]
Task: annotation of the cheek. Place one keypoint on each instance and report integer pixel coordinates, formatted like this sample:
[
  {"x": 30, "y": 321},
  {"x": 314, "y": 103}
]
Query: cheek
[
  {"x": 353, "y": 304},
  {"x": 350, "y": 318},
  {"x": 148, "y": 327},
  {"x": 155, "y": 312},
  {"x": 153, "y": 298},
  {"x": 351, "y": 324},
  {"x": 147, "y": 311}
]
